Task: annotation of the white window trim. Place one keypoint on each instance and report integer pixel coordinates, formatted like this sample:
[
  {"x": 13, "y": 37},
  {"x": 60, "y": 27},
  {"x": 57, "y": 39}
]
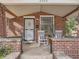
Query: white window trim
[{"x": 46, "y": 15}]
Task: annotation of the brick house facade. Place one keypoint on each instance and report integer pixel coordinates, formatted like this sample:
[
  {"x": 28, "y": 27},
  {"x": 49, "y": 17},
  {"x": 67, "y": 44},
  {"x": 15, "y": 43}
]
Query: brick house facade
[{"x": 69, "y": 47}]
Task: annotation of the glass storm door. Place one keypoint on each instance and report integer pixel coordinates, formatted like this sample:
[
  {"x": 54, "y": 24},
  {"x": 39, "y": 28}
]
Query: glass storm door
[{"x": 29, "y": 29}]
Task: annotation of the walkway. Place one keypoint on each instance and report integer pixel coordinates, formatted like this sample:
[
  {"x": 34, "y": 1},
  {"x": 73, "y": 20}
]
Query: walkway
[{"x": 32, "y": 51}]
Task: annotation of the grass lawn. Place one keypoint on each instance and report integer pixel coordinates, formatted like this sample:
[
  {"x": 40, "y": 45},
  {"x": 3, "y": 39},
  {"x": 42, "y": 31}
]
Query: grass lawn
[{"x": 1, "y": 57}]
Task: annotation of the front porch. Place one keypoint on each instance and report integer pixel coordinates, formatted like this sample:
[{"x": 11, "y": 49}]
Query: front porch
[{"x": 21, "y": 32}]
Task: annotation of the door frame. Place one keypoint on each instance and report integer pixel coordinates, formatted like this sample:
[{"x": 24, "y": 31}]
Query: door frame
[{"x": 27, "y": 18}]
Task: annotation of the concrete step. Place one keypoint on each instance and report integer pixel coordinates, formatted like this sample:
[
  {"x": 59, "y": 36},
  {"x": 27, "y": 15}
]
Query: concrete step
[{"x": 25, "y": 56}]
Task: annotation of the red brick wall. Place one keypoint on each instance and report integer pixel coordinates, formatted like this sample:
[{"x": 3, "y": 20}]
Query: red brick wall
[
  {"x": 2, "y": 20},
  {"x": 13, "y": 43},
  {"x": 59, "y": 22},
  {"x": 70, "y": 47},
  {"x": 16, "y": 25}
]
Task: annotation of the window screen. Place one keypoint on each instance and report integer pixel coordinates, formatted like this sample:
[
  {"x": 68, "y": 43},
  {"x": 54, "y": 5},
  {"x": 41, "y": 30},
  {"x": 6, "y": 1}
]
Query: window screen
[{"x": 47, "y": 24}]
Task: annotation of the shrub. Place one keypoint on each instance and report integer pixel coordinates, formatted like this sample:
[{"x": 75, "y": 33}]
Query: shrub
[
  {"x": 5, "y": 51},
  {"x": 70, "y": 26}
]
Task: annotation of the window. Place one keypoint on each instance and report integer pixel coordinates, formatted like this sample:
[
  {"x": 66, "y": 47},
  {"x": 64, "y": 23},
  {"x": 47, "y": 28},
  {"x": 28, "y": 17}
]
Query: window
[{"x": 47, "y": 25}]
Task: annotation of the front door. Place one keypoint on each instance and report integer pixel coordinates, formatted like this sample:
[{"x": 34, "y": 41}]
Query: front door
[{"x": 29, "y": 29}]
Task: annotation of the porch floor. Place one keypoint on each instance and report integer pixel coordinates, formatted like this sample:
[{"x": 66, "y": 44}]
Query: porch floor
[{"x": 32, "y": 51}]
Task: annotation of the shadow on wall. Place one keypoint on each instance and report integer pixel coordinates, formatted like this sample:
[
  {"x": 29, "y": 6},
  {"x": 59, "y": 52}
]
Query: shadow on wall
[{"x": 15, "y": 28}]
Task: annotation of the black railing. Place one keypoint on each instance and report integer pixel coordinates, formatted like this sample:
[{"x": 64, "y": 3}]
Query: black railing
[{"x": 50, "y": 44}]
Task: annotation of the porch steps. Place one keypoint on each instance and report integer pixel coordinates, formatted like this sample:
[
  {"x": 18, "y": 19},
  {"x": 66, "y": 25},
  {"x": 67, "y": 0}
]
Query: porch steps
[
  {"x": 33, "y": 51},
  {"x": 26, "y": 42},
  {"x": 25, "y": 56}
]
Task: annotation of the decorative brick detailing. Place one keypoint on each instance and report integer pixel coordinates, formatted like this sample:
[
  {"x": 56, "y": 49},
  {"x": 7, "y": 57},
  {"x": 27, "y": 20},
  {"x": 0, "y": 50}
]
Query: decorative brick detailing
[
  {"x": 70, "y": 48},
  {"x": 14, "y": 43}
]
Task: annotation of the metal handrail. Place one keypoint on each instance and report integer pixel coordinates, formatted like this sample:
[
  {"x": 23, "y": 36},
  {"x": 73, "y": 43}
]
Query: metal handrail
[{"x": 50, "y": 44}]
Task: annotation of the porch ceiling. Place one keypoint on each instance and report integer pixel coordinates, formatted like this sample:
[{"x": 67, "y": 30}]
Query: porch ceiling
[{"x": 59, "y": 10}]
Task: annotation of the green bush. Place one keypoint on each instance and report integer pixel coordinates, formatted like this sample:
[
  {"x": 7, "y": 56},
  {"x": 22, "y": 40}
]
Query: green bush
[
  {"x": 5, "y": 51},
  {"x": 70, "y": 26}
]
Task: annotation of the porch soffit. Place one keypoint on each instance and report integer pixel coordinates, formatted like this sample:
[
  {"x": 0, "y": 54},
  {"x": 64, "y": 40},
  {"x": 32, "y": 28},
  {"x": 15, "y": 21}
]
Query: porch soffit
[{"x": 59, "y": 10}]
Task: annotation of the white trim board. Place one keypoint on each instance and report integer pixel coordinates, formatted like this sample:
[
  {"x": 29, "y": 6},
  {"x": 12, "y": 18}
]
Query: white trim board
[
  {"x": 46, "y": 15},
  {"x": 29, "y": 16}
]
